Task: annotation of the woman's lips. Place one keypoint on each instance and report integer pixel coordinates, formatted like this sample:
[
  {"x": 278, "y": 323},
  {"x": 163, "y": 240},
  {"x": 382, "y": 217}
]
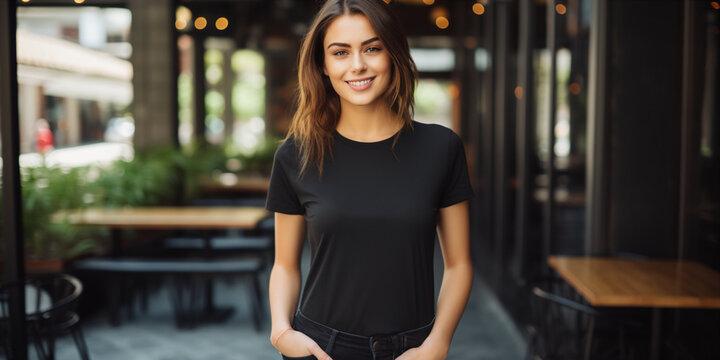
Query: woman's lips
[{"x": 361, "y": 85}]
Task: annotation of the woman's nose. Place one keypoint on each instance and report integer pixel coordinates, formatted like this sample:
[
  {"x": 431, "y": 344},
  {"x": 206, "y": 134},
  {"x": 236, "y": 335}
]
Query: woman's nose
[{"x": 358, "y": 63}]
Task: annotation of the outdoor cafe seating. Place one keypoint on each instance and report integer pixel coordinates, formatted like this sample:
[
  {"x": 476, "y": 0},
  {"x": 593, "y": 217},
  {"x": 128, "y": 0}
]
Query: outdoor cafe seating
[
  {"x": 194, "y": 255},
  {"x": 51, "y": 310},
  {"x": 563, "y": 326}
]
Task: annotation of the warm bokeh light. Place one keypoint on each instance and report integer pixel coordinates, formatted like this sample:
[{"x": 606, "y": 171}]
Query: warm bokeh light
[
  {"x": 575, "y": 88},
  {"x": 454, "y": 91},
  {"x": 715, "y": 5},
  {"x": 200, "y": 23},
  {"x": 438, "y": 11},
  {"x": 221, "y": 23},
  {"x": 26, "y": 1},
  {"x": 519, "y": 92},
  {"x": 561, "y": 9},
  {"x": 428, "y": 2},
  {"x": 387, "y": 1},
  {"x": 184, "y": 15},
  {"x": 185, "y": 42},
  {"x": 180, "y": 24},
  {"x": 442, "y": 22},
  {"x": 79, "y": 1},
  {"x": 478, "y": 8}
]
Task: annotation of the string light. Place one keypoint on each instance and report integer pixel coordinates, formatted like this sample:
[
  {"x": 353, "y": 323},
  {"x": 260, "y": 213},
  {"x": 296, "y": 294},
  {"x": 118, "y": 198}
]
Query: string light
[
  {"x": 440, "y": 16},
  {"x": 561, "y": 9},
  {"x": 200, "y": 23},
  {"x": 183, "y": 16},
  {"x": 221, "y": 23},
  {"x": 442, "y": 22},
  {"x": 478, "y": 8},
  {"x": 428, "y": 2},
  {"x": 715, "y": 5},
  {"x": 79, "y": 1}
]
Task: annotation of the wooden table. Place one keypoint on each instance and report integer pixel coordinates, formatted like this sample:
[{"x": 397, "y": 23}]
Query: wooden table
[
  {"x": 654, "y": 284},
  {"x": 231, "y": 183},
  {"x": 163, "y": 218},
  {"x": 168, "y": 218}
]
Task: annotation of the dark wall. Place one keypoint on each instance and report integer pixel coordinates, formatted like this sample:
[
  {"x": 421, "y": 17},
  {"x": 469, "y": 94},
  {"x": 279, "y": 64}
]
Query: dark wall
[{"x": 644, "y": 97}]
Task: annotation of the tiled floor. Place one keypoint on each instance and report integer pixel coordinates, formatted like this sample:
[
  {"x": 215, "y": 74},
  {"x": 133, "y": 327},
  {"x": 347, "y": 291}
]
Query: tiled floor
[{"x": 485, "y": 331}]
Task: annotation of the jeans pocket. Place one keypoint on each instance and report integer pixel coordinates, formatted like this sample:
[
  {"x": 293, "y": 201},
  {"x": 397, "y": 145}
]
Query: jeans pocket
[
  {"x": 309, "y": 357},
  {"x": 412, "y": 342}
]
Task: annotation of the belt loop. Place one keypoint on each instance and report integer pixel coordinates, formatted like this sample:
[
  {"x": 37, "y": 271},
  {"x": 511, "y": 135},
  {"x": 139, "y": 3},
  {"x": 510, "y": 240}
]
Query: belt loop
[
  {"x": 372, "y": 348},
  {"x": 331, "y": 342},
  {"x": 398, "y": 342}
]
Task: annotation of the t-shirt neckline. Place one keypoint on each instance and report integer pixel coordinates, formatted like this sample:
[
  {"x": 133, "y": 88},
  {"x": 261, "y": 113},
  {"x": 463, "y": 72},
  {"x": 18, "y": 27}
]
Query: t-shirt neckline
[{"x": 367, "y": 143}]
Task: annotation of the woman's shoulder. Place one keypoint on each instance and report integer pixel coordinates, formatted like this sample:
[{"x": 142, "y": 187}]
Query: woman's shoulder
[
  {"x": 435, "y": 133},
  {"x": 287, "y": 151}
]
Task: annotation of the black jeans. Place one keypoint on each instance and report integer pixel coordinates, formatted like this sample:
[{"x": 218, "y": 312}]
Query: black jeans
[{"x": 345, "y": 346}]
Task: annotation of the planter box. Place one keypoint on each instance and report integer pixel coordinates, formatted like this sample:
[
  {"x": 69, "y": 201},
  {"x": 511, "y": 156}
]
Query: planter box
[{"x": 44, "y": 265}]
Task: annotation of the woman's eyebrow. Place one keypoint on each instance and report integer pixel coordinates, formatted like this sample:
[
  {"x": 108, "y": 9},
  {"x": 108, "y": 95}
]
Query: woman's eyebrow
[{"x": 348, "y": 45}]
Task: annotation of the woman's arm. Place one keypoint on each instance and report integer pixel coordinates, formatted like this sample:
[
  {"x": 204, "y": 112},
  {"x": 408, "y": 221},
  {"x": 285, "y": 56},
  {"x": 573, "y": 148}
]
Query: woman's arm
[
  {"x": 284, "y": 289},
  {"x": 454, "y": 235}
]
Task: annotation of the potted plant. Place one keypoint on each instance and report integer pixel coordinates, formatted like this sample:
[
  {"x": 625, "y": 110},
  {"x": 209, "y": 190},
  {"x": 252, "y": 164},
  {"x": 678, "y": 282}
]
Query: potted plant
[
  {"x": 50, "y": 244},
  {"x": 153, "y": 177}
]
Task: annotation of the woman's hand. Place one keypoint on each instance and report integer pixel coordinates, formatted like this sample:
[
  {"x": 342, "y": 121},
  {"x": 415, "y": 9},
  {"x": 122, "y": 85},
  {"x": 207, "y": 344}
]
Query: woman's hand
[
  {"x": 424, "y": 352},
  {"x": 296, "y": 344}
]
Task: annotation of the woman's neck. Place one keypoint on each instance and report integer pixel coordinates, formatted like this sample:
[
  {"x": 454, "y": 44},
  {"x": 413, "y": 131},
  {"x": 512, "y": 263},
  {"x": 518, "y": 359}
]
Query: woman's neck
[{"x": 368, "y": 123}]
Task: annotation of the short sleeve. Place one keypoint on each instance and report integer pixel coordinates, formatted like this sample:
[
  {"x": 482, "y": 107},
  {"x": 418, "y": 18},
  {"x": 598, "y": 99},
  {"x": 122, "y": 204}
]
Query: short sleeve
[
  {"x": 457, "y": 183},
  {"x": 281, "y": 196}
]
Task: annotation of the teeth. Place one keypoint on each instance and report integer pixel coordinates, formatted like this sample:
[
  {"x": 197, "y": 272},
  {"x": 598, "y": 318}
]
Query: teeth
[{"x": 359, "y": 83}]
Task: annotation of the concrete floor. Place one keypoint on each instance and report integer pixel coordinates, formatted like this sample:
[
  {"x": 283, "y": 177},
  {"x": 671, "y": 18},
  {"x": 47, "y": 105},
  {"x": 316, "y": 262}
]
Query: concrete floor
[{"x": 485, "y": 331}]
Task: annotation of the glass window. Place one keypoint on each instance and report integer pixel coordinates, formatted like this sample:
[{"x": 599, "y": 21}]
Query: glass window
[
  {"x": 74, "y": 77},
  {"x": 433, "y": 101}
]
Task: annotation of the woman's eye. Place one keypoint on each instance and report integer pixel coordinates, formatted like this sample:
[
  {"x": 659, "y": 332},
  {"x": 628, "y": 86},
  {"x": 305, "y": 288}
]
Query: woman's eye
[
  {"x": 373, "y": 49},
  {"x": 340, "y": 53}
]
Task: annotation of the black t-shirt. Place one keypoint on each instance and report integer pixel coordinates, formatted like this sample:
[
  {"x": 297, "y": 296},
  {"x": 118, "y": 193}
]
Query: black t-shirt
[{"x": 371, "y": 223}]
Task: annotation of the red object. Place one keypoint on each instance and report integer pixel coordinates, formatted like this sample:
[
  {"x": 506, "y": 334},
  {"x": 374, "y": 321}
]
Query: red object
[{"x": 45, "y": 141}]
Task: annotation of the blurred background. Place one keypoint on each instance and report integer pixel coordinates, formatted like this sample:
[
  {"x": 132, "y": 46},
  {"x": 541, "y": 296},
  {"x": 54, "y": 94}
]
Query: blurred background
[{"x": 591, "y": 128}]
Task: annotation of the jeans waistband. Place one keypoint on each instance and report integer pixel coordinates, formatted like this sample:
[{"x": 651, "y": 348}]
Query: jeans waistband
[{"x": 375, "y": 342}]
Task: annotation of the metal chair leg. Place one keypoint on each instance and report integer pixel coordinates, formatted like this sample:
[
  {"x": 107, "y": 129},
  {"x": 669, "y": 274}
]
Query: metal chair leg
[
  {"x": 183, "y": 298},
  {"x": 588, "y": 342},
  {"x": 6, "y": 345},
  {"x": 113, "y": 293},
  {"x": 531, "y": 350},
  {"x": 621, "y": 341},
  {"x": 144, "y": 295},
  {"x": 80, "y": 343},
  {"x": 39, "y": 343},
  {"x": 257, "y": 301}
]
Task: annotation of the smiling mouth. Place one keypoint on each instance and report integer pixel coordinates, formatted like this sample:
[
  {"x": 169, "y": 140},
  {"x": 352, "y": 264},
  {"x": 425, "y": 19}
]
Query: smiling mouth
[{"x": 361, "y": 84}]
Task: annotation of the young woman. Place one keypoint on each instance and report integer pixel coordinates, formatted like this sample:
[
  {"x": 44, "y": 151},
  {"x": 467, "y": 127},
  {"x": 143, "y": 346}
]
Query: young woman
[{"x": 370, "y": 187}]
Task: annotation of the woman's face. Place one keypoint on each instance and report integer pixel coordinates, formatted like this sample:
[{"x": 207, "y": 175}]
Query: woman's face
[{"x": 356, "y": 61}]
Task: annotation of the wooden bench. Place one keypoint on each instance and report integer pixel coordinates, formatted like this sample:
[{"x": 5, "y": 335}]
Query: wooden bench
[{"x": 188, "y": 278}]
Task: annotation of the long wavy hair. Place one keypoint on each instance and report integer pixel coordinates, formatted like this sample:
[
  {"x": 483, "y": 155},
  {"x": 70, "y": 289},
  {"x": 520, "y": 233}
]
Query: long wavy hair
[{"x": 319, "y": 105}]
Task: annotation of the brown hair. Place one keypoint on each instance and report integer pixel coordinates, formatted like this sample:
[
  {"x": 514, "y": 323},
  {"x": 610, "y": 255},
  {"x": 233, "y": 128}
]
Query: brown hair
[{"x": 319, "y": 105}]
